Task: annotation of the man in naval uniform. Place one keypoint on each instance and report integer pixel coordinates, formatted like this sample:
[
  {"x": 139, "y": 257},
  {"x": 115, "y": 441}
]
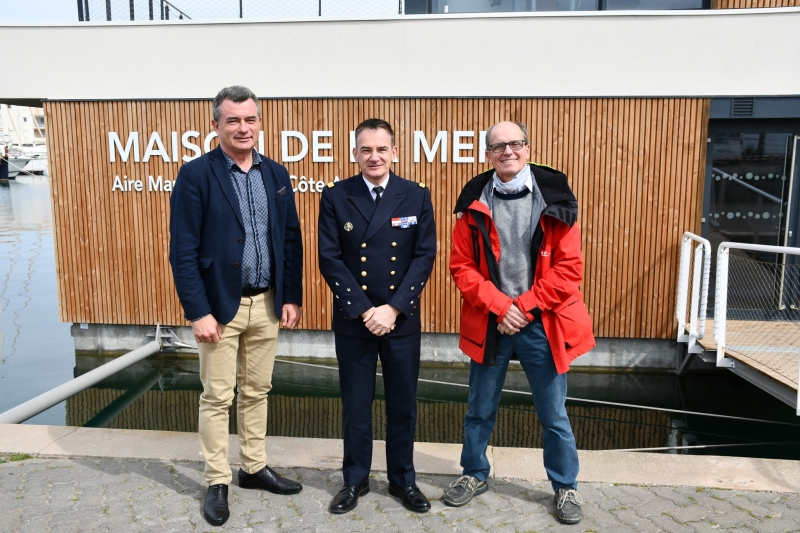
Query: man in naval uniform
[{"x": 377, "y": 244}]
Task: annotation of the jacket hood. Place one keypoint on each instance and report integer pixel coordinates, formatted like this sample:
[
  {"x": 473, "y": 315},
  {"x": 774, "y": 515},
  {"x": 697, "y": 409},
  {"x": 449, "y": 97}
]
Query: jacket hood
[{"x": 561, "y": 202}]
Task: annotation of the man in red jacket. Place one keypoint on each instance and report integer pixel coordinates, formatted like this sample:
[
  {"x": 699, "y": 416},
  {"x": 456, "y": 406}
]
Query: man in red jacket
[{"x": 516, "y": 258}]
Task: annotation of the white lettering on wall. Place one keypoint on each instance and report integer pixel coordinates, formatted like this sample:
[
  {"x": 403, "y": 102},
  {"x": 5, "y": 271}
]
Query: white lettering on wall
[
  {"x": 160, "y": 184},
  {"x": 305, "y": 185},
  {"x": 190, "y": 146},
  {"x": 174, "y": 138},
  {"x": 115, "y": 145},
  {"x": 155, "y": 147},
  {"x": 317, "y": 146},
  {"x": 430, "y": 151},
  {"x": 295, "y": 146},
  {"x": 285, "y": 157},
  {"x": 458, "y": 146},
  {"x": 126, "y": 185}
]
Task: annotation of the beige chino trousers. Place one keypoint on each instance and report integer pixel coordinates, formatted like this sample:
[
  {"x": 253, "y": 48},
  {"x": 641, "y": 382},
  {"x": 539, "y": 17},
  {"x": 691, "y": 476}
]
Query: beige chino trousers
[{"x": 243, "y": 357}]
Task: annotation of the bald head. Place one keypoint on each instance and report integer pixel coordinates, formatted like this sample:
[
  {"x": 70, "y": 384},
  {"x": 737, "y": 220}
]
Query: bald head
[{"x": 507, "y": 149}]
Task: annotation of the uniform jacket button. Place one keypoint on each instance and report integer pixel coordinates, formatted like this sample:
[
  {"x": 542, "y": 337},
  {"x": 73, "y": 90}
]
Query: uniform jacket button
[
  {"x": 240, "y": 241},
  {"x": 363, "y": 245},
  {"x": 363, "y": 273},
  {"x": 236, "y": 265},
  {"x": 363, "y": 287},
  {"x": 363, "y": 259},
  {"x": 391, "y": 287},
  {"x": 394, "y": 259},
  {"x": 391, "y": 273},
  {"x": 393, "y": 244}
]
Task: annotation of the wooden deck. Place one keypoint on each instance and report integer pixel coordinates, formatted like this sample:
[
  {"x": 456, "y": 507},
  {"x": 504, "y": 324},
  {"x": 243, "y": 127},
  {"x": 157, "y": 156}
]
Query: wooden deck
[{"x": 771, "y": 348}]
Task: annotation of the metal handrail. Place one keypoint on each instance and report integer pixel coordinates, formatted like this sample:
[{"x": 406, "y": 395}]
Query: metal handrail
[
  {"x": 43, "y": 402},
  {"x": 168, "y": 4},
  {"x": 721, "y": 298},
  {"x": 699, "y": 297}
]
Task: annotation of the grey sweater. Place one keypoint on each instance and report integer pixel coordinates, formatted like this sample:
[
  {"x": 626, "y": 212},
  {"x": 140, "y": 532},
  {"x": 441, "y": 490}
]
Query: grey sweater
[{"x": 512, "y": 218}]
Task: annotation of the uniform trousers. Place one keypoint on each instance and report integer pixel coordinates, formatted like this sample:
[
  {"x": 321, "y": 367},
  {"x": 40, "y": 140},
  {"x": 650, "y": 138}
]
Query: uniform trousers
[
  {"x": 549, "y": 390},
  {"x": 244, "y": 357},
  {"x": 358, "y": 360}
]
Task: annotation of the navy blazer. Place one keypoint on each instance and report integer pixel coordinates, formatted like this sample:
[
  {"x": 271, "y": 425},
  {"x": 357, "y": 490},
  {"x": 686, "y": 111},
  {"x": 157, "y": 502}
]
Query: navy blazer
[
  {"x": 207, "y": 238},
  {"x": 373, "y": 255}
]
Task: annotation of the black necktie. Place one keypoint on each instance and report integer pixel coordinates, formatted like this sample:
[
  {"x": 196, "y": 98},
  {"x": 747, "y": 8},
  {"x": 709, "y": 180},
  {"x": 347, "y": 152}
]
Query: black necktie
[{"x": 378, "y": 190}]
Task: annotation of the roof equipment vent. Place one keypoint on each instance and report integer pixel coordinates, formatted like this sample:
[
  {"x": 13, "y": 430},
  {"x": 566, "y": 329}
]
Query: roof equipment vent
[{"x": 742, "y": 107}]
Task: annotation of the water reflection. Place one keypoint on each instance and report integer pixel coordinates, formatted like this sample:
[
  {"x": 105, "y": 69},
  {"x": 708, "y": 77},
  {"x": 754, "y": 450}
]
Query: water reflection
[
  {"x": 36, "y": 350},
  {"x": 305, "y": 402}
]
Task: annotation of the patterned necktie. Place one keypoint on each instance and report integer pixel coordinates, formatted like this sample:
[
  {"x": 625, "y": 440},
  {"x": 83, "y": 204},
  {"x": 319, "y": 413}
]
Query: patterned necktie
[{"x": 378, "y": 190}]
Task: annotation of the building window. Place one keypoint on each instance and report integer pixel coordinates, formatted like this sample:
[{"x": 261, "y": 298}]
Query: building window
[
  {"x": 615, "y": 5},
  {"x": 418, "y": 7}
]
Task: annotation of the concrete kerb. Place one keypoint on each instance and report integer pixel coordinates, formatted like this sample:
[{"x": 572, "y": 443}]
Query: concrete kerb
[{"x": 629, "y": 468}]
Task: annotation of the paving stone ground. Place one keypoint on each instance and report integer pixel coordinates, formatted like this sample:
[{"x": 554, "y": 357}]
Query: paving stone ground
[{"x": 76, "y": 495}]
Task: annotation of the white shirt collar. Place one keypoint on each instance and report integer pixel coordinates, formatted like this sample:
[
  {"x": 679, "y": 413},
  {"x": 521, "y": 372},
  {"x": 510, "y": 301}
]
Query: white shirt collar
[{"x": 371, "y": 186}]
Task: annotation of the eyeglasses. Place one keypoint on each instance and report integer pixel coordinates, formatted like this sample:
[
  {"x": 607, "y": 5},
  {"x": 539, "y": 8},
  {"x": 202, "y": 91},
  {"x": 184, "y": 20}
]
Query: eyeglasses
[{"x": 516, "y": 146}]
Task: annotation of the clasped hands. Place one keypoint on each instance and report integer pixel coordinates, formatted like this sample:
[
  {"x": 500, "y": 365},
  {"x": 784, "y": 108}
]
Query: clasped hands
[
  {"x": 514, "y": 321},
  {"x": 380, "y": 320}
]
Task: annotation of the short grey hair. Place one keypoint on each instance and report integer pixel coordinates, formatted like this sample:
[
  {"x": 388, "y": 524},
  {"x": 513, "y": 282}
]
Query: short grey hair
[
  {"x": 234, "y": 93},
  {"x": 375, "y": 124},
  {"x": 520, "y": 124}
]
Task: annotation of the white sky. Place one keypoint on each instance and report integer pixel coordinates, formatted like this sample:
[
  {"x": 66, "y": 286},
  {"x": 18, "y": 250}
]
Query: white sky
[
  {"x": 38, "y": 11},
  {"x": 67, "y": 10}
]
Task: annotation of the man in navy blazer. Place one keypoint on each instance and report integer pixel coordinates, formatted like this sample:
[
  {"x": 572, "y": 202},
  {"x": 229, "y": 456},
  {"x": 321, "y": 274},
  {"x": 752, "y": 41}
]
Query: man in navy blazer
[
  {"x": 377, "y": 244},
  {"x": 237, "y": 261}
]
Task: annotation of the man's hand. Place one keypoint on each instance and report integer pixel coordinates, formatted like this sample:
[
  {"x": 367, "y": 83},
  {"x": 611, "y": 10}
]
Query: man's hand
[
  {"x": 207, "y": 329},
  {"x": 366, "y": 315},
  {"x": 290, "y": 315},
  {"x": 514, "y": 321},
  {"x": 381, "y": 320}
]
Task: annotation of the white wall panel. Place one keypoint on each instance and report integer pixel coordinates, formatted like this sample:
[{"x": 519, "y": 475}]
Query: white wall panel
[{"x": 621, "y": 54}]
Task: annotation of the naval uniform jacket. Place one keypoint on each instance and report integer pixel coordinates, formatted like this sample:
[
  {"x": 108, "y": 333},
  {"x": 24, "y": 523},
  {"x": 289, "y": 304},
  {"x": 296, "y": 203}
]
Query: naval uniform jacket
[
  {"x": 207, "y": 235},
  {"x": 372, "y": 255},
  {"x": 558, "y": 270}
]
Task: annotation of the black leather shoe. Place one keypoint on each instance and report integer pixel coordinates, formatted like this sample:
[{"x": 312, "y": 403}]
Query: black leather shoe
[
  {"x": 269, "y": 480},
  {"x": 215, "y": 510},
  {"x": 412, "y": 498},
  {"x": 347, "y": 498}
]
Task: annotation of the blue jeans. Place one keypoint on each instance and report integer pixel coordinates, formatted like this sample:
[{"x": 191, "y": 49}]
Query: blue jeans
[{"x": 549, "y": 390}]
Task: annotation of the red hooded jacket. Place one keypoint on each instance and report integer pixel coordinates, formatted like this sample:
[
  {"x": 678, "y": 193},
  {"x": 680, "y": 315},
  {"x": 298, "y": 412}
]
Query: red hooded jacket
[{"x": 558, "y": 271}]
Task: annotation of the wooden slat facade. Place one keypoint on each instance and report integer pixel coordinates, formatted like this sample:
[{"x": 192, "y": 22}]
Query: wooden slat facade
[{"x": 636, "y": 166}]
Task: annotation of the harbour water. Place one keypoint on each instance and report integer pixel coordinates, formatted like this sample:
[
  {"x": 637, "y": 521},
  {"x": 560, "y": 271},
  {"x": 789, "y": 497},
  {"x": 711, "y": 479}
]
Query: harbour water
[
  {"x": 161, "y": 393},
  {"x": 36, "y": 349}
]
